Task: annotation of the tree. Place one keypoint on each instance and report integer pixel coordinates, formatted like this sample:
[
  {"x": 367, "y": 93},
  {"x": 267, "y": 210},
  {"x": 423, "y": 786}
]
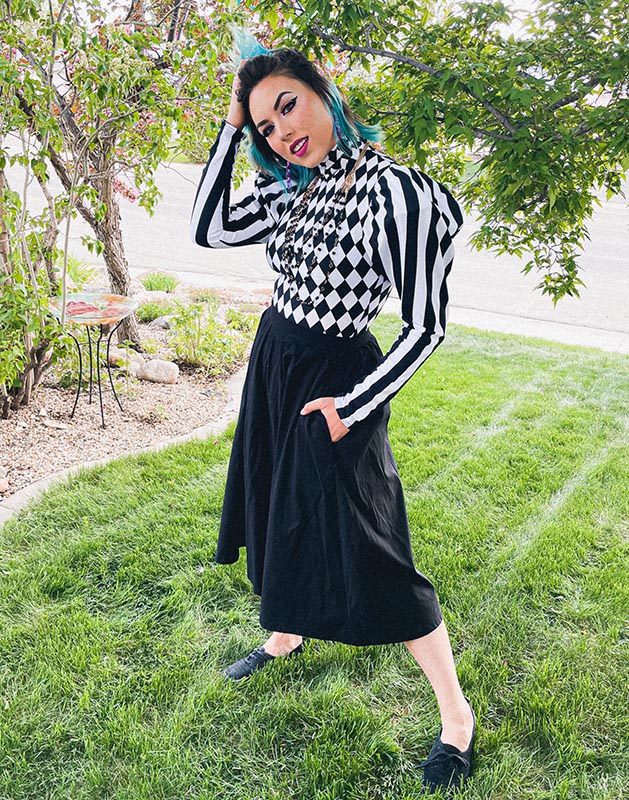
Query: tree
[
  {"x": 545, "y": 115},
  {"x": 26, "y": 330},
  {"x": 87, "y": 95},
  {"x": 96, "y": 99}
]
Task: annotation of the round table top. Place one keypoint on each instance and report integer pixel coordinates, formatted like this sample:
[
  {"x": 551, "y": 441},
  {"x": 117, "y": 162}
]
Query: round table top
[{"x": 93, "y": 308}]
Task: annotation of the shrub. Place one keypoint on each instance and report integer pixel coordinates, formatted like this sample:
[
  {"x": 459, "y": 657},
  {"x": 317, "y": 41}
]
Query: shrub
[
  {"x": 209, "y": 296},
  {"x": 198, "y": 338},
  {"x": 126, "y": 380},
  {"x": 79, "y": 271},
  {"x": 155, "y": 415},
  {"x": 30, "y": 338},
  {"x": 159, "y": 282},
  {"x": 153, "y": 309},
  {"x": 250, "y": 308},
  {"x": 240, "y": 321},
  {"x": 151, "y": 346}
]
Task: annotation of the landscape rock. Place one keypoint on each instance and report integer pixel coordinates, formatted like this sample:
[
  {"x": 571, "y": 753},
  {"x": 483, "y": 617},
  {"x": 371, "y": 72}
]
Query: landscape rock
[
  {"x": 4, "y": 485},
  {"x": 3, "y": 472},
  {"x": 133, "y": 367},
  {"x": 131, "y": 362},
  {"x": 52, "y": 423},
  {"x": 159, "y": 371},
  {"x": 160, "y": 322}
]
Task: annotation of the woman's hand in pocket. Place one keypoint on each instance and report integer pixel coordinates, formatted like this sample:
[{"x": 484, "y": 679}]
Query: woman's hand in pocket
[{"x": 326, "y": 406}]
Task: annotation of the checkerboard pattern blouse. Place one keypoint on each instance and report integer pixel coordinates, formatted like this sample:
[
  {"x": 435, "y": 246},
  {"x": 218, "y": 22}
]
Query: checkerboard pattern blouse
[{"x": 395, "y": 230}]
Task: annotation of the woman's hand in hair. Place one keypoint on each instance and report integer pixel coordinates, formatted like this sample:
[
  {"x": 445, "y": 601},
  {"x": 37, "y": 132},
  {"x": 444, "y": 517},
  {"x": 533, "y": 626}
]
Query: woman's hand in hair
[
  {"x": 236, "y": 115},
  {"x": 326, "y": 406}
]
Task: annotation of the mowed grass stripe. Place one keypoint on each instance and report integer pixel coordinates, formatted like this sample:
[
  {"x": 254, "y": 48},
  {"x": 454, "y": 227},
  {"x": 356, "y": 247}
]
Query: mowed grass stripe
[
  {"x": 557, "y": 664},
  {"x": 462, "y": 399},
  {"x": 469, "y": 507}
]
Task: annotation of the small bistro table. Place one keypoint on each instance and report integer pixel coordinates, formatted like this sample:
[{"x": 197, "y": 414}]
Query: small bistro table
[{"x": 97, "y": 312}]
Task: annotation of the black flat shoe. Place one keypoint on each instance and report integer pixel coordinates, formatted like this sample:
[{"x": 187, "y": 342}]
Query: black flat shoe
[
  {"x": 447, "y": 767},
  {"x": 255, "y": 661}
]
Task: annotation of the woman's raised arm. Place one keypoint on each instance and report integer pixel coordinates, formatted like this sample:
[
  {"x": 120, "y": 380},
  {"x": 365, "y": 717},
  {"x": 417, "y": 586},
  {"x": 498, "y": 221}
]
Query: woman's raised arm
[{"x": 215, "y": 222}]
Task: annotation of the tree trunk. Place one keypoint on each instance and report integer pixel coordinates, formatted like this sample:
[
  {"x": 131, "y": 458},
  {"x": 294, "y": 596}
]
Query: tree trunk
[
  {"x": 4, "y": 234},
  {"x": 110, "y": 234},
  {"x": 28, "y": 378},
  {"x": 5, "y": 402},
  {"x": 49, "y": 238},
  {"x": 107, "y": 230}
]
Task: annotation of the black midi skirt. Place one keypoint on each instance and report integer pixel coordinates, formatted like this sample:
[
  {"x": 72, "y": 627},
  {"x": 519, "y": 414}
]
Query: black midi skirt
[{"x": 324, "y": 523}]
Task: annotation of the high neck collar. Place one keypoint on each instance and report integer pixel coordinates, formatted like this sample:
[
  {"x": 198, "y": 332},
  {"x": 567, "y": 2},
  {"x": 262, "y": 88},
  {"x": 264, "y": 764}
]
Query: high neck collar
[{"x": 337, "y": 161}]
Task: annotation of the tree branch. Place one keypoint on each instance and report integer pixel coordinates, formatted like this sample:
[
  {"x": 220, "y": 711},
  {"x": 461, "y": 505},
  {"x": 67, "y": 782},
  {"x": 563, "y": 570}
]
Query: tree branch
[
  {"x": 50, "y": 236},
  {"x": 56, "y": 161},
  {"x": 389, "y": 54},
  {"x": 387, "y": 113},
  {"x": 66, "y": 117},
  {"x": 476, "y": 130},
  {"x": 570, "y": 98},
  {"x": 5, "y": 248},
  {"x": 490, "y": 134}
]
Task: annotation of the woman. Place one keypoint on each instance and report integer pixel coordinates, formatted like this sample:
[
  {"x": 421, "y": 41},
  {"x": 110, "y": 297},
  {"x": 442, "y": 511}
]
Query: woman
[{"x": 313, "y": 492}]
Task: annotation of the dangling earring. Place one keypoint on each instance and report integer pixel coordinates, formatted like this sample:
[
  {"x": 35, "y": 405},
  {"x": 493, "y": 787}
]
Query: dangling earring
[{"x": 288, "y": 175}]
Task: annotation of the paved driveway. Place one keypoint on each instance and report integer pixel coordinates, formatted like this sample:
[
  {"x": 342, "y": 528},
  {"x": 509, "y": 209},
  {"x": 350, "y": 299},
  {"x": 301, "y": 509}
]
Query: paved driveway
[{"x": 486, "y": 290}]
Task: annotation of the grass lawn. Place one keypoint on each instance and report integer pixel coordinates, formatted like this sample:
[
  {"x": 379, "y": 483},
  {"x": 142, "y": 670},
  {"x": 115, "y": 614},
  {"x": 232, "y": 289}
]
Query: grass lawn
[
  {"x": 115, "y": 623},
  {"x": 180, "y": 158}
]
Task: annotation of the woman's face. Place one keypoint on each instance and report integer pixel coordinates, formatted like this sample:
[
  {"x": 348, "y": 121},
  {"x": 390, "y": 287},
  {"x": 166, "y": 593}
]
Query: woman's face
[{"x": 293, "y": 119}]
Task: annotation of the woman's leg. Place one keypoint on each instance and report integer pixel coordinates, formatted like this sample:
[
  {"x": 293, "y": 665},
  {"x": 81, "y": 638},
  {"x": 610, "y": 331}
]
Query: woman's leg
[
  {"x": 279, "y": 644},
  {"x": 433, "y": 653}
]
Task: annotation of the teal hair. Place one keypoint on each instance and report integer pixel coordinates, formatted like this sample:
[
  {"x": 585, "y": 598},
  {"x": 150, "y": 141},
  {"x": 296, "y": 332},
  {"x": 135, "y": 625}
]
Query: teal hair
[
  {"x": 351, "y": 131},
  {"x": 245, "y": 46}
]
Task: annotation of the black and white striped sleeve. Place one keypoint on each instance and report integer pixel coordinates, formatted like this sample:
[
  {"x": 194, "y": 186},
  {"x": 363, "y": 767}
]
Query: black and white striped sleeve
[
  {"x": 414, "y": 220},
  {"x": 214, "y": 221}
]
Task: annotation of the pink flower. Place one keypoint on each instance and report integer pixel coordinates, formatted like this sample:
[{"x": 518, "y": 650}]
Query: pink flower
[{"x": 129, "y": 192}]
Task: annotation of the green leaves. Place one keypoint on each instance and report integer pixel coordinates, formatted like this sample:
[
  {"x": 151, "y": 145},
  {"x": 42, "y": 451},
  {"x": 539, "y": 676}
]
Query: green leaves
[
  {"x": 106, "y": 113},
  {"x": 94, "y": 245}
]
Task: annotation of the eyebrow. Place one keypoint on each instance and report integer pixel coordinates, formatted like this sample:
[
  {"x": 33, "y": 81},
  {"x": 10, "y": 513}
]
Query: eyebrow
[{"x": 277, "y": 102}]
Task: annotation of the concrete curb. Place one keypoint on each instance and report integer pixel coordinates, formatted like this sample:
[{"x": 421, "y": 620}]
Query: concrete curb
[
  {"x": 21, "y": 499},
  {"x": 611, "y": 341}
]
